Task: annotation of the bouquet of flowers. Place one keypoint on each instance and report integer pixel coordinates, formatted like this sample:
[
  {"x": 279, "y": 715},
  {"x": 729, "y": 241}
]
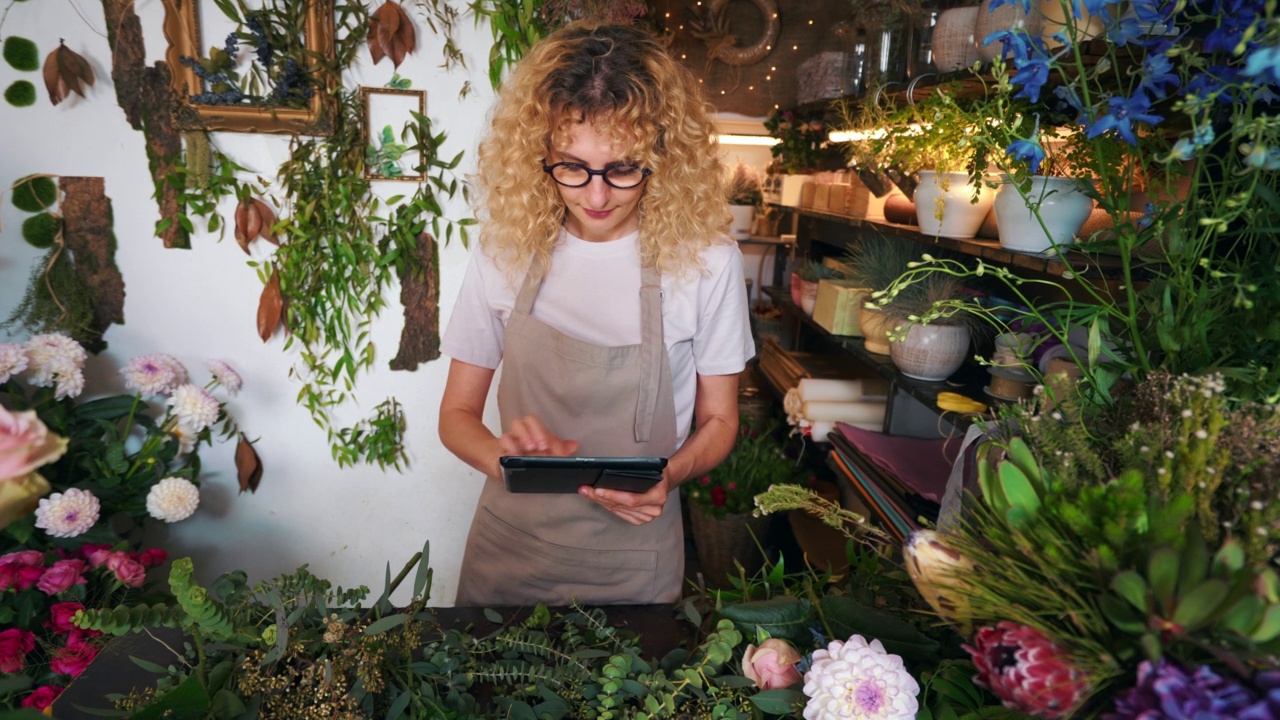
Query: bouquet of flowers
[
  {"x": 758, "y": 459},
  {"x": 801, "y": 141},
  {"x": 78, "y": 480}
]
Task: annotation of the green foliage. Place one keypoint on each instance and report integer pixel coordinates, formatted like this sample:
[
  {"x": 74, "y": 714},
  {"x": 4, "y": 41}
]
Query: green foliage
[
  {"x": 383, "y": 159},
  {"x": 758, "y": 460},
  {"x": 516, "y": 25},
  {"x": 21, "y": 54},
  {"x": 813, "y": 271},
  {"x": 121, "y": 620},
  {"x": 20, "y": 94},
  {"x": 41, "y": 230},
  {"x": 34, "y": 193},
  {"x": 801, "y": 141},
  {"x": 56, "y": 299}
]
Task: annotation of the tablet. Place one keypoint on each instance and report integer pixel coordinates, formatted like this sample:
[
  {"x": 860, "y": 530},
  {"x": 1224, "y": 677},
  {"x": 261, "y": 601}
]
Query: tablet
[{"x": 538, "y": 474}]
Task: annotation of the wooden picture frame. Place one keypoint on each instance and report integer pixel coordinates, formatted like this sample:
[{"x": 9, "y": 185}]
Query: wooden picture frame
[
  {"x": 182, "y": 30},
  {"x": 392, "y": 109}
]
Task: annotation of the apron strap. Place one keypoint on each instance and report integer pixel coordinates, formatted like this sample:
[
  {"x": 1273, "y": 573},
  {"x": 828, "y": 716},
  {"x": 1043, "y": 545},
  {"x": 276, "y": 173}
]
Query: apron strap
[
  {"x": 651, "y": 345},
  {"x": 529, "y": 290}
]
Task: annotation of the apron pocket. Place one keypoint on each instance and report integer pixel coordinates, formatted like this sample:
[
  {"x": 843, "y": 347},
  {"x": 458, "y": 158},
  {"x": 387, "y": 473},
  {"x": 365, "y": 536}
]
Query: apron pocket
[{"x": 512, "y": 567}]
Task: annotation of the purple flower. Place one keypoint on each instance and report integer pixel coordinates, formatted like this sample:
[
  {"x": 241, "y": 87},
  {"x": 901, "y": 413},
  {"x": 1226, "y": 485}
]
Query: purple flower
[
  {"x": 1124, "y": 112},
  {"x": 1165, "y": 690}
]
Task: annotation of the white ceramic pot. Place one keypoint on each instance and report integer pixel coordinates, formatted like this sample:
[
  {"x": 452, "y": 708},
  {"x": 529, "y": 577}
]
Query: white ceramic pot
[
  {"x": 953, "y": 47},
  {"x": 1063, "y": 210},
  {"x": 808, "y": 296},
  {"x": 1009, "y": 16},
  {"x": 945, "y": 205},
  {"x": 931, "y": 352},
  {"x": 743, "y": 216}
]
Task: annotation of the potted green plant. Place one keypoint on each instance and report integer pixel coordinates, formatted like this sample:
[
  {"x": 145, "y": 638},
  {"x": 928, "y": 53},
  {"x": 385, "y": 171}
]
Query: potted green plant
[
  {"x": 722, "y": 502},
  {"x": 874, "y": 262},
  {"x": 804, "y": 283},
  {"x": 798, "y": 152},
  {"x": 745, "y": 195}
]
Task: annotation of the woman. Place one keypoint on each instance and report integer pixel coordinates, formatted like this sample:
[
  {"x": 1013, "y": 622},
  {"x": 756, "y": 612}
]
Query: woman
[{"x": 604, "y": 244}]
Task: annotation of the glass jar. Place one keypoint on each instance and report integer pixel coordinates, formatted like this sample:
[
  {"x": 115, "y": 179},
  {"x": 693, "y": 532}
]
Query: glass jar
[{"x": 888, "y": 30}]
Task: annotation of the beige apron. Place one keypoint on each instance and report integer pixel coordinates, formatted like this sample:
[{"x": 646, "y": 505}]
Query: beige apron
[{"x": 616, "y": 402}]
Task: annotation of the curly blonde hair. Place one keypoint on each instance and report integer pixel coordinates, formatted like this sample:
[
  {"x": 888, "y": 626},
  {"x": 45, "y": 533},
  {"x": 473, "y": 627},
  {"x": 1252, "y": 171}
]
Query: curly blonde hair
[{"x": 621, "y": 79}]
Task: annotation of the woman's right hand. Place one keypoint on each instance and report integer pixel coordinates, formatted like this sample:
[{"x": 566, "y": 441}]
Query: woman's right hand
[{"x": 528, "y": 436}]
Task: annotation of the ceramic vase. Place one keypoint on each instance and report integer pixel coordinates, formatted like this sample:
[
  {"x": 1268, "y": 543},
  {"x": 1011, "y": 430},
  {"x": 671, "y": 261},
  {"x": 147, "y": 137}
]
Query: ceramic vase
[
  {"x": 743, "y": 216},
  {"x": 808, "y": 296},
  {"x": 1063, "y": 210},
  {"x": 875, "y": 326},
  {"x": 721, "y": 541},
  {"x": 945, "y": 204},
  {"x": 931, "y": 352}
]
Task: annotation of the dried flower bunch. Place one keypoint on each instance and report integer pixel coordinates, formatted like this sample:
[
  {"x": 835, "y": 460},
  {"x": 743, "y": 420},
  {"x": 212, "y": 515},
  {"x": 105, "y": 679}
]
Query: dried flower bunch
[{"x": 745, "y": 185}]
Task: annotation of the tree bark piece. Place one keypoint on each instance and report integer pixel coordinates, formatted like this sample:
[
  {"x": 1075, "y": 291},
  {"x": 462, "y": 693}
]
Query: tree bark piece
[
  {"x": 87, "y": 232},
  {"x": 145, "y": 95},
  {"x": 420, "y": 295}
]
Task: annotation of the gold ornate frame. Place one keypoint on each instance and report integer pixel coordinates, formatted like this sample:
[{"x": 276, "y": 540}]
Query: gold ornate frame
[
  {"x": 366, "y": 93},
  {"x": 182, "y": 30}
]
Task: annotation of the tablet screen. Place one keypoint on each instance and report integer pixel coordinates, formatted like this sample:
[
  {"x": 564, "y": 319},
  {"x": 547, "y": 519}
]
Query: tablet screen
[{"x": 538, "y": 474}]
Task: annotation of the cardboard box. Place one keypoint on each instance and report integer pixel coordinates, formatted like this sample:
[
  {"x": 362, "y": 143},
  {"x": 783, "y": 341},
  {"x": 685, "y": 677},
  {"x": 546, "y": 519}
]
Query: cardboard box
[
  {"x": 837, "y": 198},
  {"x": 821, "y": 191},
  {"x": 791, "y": 189},
  {"x": 807, "y": 192},
  {"x": 837, "y": 306}
]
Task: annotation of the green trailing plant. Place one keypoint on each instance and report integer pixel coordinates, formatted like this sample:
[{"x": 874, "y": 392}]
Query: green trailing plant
[
  {"x": 56, "y": 299},
  {"x": 341, "y": 248},
  {"x": 516, "y": 25}
]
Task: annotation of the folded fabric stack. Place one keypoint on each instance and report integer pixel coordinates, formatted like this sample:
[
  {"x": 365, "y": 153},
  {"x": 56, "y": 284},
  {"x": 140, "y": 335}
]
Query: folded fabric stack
[{"x": 816, "y": 405}]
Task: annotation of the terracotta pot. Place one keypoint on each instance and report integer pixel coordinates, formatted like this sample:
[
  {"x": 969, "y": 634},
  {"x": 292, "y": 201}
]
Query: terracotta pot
[
  {"x": 875, "y": 326},
  {"x": 945, "y": 205},
  {"x": 1063, "y": 210},
  {"x": 721, "y": 541},
  {"x": 931, "y": 352}
]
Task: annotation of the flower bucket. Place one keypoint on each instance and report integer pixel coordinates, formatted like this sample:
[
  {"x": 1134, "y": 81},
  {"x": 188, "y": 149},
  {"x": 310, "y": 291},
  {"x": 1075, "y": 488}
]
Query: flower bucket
[
  {"x": 945, "y": 206},
  {"x": 743, "y": 215},
  {"x": 1064, "y": 208},
  {"x": 720, "y": 541},
  {"x": 931, "y": 352},
  {"x": 875, "y": 329}
]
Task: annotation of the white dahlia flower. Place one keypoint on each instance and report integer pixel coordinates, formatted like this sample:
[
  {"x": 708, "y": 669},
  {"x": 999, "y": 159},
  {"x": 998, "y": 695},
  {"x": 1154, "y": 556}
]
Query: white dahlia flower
[
  {"x": 859, "y": 681},
  {"x": 56, "y": 358},
  {"x": 153, "y": 374},
  {"x": 194, "y": 407},
  {"x": 67, "y": 514},
  {"x": 173, "y": 499},
  {"x": 13, "y": 360}
]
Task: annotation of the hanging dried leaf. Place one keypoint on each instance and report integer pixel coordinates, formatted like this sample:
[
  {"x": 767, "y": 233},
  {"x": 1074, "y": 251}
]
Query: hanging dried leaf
[
  {"x": 66, "y": 72},
  {"x": 267, "y": 219},
  {"x": 242, "y": 224},
  {"x": 270, "y": 308},
  {"x": 391, "y": 33},
  {"x": 248, "y": 465}
]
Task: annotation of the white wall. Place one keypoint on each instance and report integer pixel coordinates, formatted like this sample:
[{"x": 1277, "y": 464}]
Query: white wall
[{"x": 198, "y": 304}]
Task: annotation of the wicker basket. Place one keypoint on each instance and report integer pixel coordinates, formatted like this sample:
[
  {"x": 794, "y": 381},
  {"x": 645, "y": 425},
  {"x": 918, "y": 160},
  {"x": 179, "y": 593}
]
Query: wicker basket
[{"x": 720, "y": 541}]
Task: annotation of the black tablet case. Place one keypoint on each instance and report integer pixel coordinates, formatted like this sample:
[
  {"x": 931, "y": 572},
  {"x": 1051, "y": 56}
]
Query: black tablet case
[{"x": 537, "y": 474}]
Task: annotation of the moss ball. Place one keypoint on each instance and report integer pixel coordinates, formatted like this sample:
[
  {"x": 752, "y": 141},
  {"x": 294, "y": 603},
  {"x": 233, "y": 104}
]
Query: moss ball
[
  {"x": 40, "y": 230},
  {"x": 34, "y": 194},
  {"x": 21, "y": 94},
  {"x": 21, "y": 54}
]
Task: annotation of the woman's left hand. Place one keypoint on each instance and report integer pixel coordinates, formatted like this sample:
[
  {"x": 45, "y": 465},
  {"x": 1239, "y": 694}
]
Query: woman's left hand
[{"x": 635, "y": 508}]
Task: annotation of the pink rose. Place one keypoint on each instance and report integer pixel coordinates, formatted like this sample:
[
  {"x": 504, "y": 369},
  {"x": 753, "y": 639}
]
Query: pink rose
[
  {"x": 27, "y": 575},
  {"x": 60, "y": 615},
  {"x": 127, "y": 570},
  {"x": 22, "y": 557},
  {"x": 78, "y": 637},
  {"x": 15, "y": 643},
  {"x": 97, "y": 555},
  {"x": 26, "y": 444},
  {"x": 772, "y": 665},
  {"x": 12, "y": 563},
  {"x": 63, "y": 575},
  {"x": 153, "y": 557},
  {"x": 42, "y": 697},
  {"x": 72, "y": 660}
]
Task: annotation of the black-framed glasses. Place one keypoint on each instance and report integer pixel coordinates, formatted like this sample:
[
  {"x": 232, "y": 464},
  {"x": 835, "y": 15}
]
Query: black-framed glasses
[{"x": 622, "y": 176}]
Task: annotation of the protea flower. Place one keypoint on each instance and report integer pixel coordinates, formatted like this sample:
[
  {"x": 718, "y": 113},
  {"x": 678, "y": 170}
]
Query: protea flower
[
  {"x": 1028, "y": 671},
  {"x": 934, "y": 567}
]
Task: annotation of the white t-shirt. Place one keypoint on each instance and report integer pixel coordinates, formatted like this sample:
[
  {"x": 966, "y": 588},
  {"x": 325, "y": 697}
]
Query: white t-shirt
[{"x": 592, "y": 293}]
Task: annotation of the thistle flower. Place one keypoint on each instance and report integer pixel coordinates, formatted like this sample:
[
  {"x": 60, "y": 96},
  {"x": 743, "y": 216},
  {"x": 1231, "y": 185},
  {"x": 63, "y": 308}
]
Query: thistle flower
[
  {"x": 67, "y": 514},
  {"x": 1028, "y": 671},
  {"x": 857, "y": 679}
]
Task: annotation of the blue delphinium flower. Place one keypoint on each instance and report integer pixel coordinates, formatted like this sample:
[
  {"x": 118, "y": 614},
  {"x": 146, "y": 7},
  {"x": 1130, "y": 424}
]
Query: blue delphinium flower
[
  {"x": 1032, "y": 74},
  {"x": 1229, "y": 36},
  {"x": 1264, "y": 64},
  {"x": 1123, "y": 113},
  {"x": 1187, "y": 147},
  {"x": 1024, "y": 4},
  {"x": 1158, "y": 77},
  {"x": 1028, "y": 150},
  {"x": 1016, "y": 44}
]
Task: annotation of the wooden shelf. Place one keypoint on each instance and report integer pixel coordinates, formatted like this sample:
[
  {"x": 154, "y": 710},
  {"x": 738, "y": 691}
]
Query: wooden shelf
[
  {"x": 1078, "y": 265},
  {"x": 969, "y": 380}
]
